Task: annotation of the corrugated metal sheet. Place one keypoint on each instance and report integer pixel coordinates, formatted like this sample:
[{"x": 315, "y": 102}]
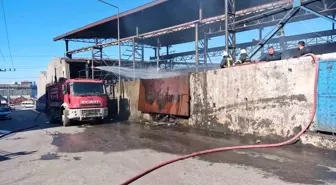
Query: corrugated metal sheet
[
  {"x": 326, "y": 96},
  {"x": 165, "y": 96}
]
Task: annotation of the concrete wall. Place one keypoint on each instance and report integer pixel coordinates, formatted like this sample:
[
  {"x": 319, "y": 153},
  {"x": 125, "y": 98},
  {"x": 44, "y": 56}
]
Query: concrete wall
[
  {"x": 62, "y": 69},
  {"x": 268, "y": 99},
  {"x": 128, "y": 97},
  {"x": 41, "y": 84}
]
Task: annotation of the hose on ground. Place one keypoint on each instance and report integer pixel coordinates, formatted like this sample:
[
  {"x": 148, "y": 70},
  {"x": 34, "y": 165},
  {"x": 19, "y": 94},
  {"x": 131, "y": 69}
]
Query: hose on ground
[{"x": 290, "y": 141}]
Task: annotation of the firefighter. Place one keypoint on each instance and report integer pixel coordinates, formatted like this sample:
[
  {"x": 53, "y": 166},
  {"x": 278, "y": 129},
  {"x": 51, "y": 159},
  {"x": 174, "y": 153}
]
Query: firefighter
[
  {"x": 244, "y": 58},
  {"x": 226, "y": 61},
  {"x": 271, "y": 55},
  {"x": 302, "y": 49}
]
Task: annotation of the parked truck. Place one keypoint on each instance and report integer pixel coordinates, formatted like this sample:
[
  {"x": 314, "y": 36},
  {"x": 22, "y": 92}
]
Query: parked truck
[{"x": 76, "y": 100}]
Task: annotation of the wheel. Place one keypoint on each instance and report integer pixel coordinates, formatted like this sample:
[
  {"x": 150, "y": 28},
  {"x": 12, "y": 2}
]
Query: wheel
[{"x": 65, "y": 120}]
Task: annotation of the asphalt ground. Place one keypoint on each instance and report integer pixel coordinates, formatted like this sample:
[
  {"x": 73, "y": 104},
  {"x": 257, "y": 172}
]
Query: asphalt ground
[{"x": 114, "y": 152}]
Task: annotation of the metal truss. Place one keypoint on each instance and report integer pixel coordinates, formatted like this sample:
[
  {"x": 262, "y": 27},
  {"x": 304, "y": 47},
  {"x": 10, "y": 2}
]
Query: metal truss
[
  {"x": 134, "y": 52},
  {"x": 141, "y": 36},
  {"x": 92, "y": 40},
  {"x": 278, "y": 27},
  {"x": 255, "y": 17},
  {"x": 97, "y": 60},
  {"x": 290, "y": 42},
  {"x": 230, "y": 32},
  {"x": 192, "y": 24},
  {"x": 204, "y": 45},
  {"x": 265, "y": 15}
]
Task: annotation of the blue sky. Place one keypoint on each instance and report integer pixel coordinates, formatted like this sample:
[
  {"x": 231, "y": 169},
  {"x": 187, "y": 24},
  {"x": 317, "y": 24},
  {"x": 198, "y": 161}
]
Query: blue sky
[{"x": 33, "y": 24}]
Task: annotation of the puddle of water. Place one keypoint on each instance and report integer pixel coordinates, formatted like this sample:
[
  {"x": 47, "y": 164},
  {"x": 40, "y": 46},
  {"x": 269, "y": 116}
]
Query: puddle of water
[{"x": 50, "y": 156}]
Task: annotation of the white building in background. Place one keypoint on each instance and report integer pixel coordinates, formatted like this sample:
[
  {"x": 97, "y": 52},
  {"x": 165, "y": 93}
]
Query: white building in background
[{"x": 41, "y": 84}]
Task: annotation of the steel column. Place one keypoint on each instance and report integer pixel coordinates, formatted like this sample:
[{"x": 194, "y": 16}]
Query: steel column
[
  {"x": 196, "y": 46},
  {"x": 133, "y": 53},
  {"x": 200, "y": 11},
  {"x": 158, "y": 56},
  {"x": 167, "y": 53},
  {"x": 260, "y": 38},
  {"x": 226, "y": 9},
  {"x": 230, "y": 35},
  {"x": 142, "y": 56},
  {"x": 97, "y": 56},
  {"x": 100, "y": 61},
  {"x": 67, "y": 49},
  {"x": 205, "y": 50},
  {"x": 92, "y": 65}
]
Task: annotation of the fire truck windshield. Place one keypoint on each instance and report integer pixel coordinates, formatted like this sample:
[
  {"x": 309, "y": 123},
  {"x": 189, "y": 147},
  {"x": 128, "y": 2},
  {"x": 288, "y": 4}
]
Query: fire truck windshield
[{"x": 88, "y": 89}]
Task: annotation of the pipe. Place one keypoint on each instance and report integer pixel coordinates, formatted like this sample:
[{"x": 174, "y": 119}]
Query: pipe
[
  {"x": 290, "y": 141},
  {"x": 196, "y": 47},
  {"x": 226, "y": 9}
]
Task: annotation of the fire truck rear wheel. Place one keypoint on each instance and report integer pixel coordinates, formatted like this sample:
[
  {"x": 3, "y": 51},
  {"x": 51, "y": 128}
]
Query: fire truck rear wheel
[{"x": 66, "y": 121}]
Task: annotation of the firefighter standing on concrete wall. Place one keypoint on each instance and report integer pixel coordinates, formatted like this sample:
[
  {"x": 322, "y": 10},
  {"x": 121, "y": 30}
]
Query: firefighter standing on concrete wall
[
  {"x": 226, "y": 61},
  {"x": 244, "y": 58}
]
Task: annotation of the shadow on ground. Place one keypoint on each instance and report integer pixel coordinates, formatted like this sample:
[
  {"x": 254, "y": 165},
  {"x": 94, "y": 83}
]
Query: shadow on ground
[
  {"x": 24, "y": 119},
  {"x": 4, "y": 156}
]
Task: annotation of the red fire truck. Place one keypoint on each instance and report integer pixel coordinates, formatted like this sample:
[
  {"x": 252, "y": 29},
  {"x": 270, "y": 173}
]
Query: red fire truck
[{"x": 76, "y": 100}]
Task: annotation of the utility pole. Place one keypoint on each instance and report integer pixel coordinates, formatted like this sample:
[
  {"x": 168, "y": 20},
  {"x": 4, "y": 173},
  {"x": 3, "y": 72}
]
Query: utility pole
[{"x": 119, "y": 48}]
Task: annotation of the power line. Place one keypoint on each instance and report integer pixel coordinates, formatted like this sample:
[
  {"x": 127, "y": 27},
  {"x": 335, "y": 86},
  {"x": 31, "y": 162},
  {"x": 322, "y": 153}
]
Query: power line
[
  {"x": 20, "y": 69},
  {"x": 13, "y": 78},
  {"x": 3, "y": 57},
  {"x": 9, "y": 48}
]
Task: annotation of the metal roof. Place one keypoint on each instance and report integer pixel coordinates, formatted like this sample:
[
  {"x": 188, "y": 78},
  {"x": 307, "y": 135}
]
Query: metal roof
[
  {"x": 161, "y": 14},
  {"x": 153, "y": 16}
]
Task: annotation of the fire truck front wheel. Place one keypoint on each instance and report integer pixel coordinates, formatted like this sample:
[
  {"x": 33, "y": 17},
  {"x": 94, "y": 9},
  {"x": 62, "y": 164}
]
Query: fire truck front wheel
[{"x": 65, "y": 119}]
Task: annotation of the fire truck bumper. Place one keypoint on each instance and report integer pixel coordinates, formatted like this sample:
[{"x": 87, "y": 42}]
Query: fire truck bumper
[{"x": 88, "y": 114}]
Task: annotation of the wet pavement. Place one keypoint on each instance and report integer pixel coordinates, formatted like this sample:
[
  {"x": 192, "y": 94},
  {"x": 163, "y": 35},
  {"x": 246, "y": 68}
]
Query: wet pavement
[
  {"x": 296, "y": 163},
  {"x": 23, "y": 118},
  {"x": 110, "y": 153}
]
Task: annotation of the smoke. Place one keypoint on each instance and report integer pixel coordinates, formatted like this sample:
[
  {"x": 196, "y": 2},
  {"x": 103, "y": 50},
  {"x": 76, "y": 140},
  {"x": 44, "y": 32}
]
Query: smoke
[{"x": 150, "y": 73}]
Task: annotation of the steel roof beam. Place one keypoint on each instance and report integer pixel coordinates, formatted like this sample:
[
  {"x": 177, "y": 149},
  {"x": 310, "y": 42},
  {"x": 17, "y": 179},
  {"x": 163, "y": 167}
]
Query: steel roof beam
[{"x": 282, "y": 5}]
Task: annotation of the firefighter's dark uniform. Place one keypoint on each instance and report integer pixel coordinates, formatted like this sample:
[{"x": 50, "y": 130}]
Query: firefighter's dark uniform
[
  {"x": 226, "y": 62},
  {"x": 244, "y": 58}
]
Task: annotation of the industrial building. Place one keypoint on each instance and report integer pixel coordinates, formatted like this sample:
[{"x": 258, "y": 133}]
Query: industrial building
[
  {"x": 25, "y": 89},
  {"x": 155, "y": 28},
  {"x": 162, "y": 24}
]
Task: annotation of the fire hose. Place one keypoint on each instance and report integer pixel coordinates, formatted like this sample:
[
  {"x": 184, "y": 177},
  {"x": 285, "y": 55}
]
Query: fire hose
[{"x": 290, "y": 141}]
